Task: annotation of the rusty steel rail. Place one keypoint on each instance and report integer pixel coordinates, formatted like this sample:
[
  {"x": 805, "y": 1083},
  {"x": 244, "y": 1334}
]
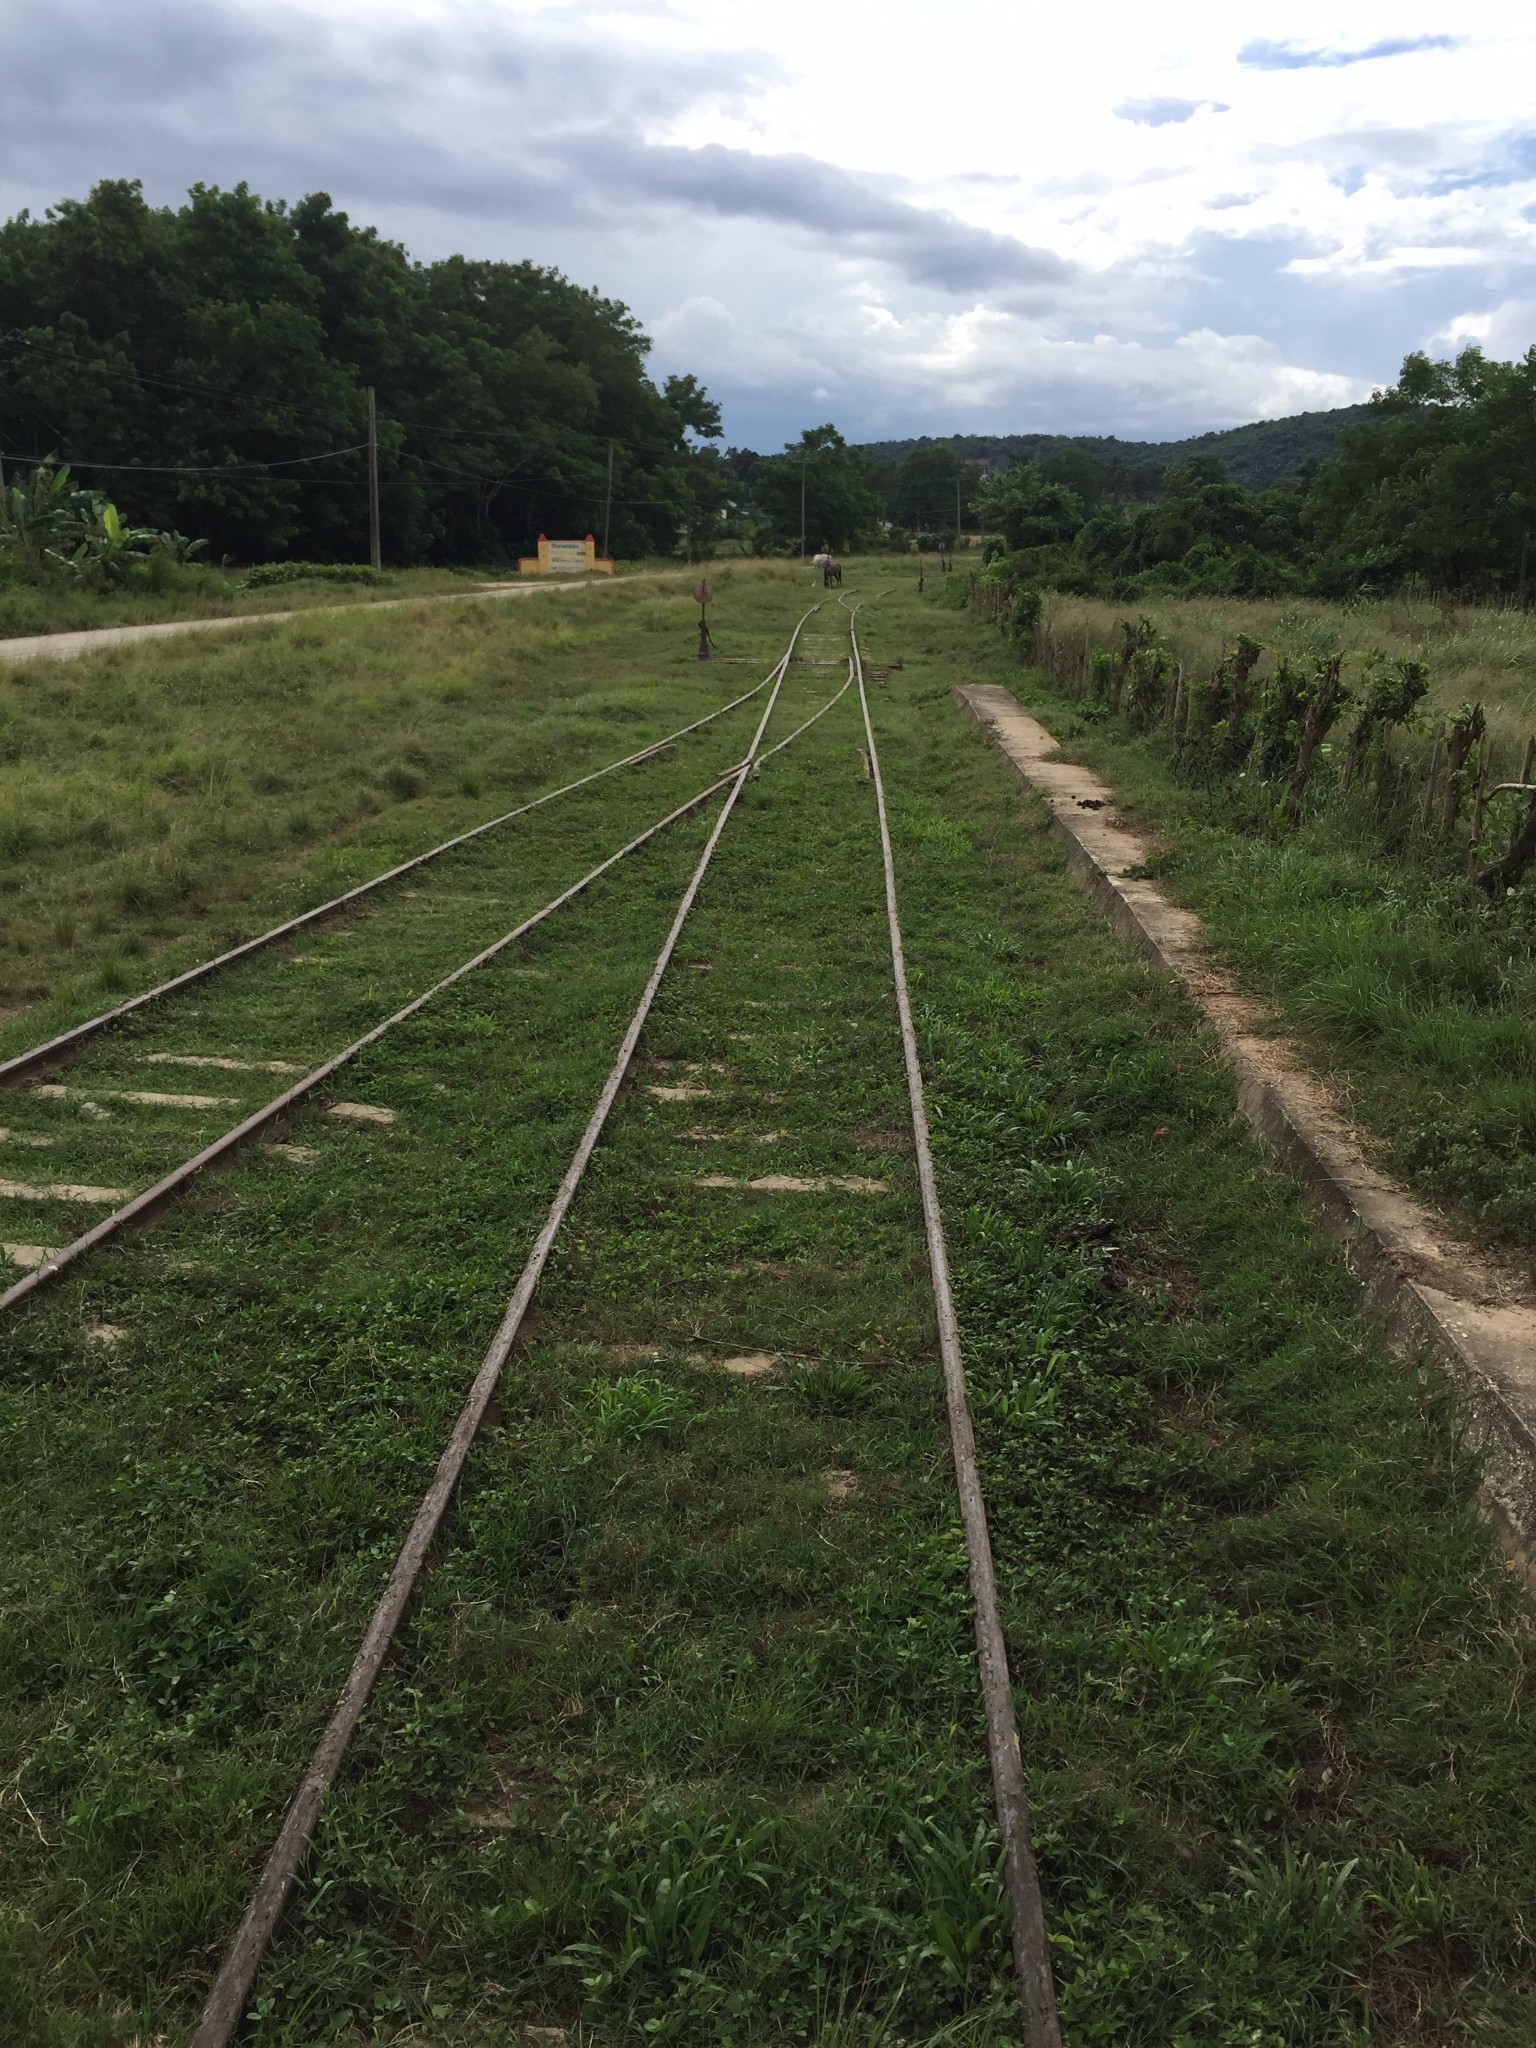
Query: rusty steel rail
[
  {"x": 1031, "y": 1943},
  {"x": 779, "y": 746},
  {"x": 226, "y": 2002},
  {"x": 22, "y": 1063},
  {"x": 143, "y": 1205}
]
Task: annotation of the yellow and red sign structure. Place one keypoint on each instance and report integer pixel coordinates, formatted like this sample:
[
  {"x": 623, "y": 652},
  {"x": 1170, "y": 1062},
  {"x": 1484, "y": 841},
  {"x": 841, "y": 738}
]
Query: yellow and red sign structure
[{"x": 564, "y": 558}]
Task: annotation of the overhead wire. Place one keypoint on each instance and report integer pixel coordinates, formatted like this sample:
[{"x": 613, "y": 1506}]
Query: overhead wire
[
  {"x": 195, "y": 469},
  {"x": 546, "y": 486}
]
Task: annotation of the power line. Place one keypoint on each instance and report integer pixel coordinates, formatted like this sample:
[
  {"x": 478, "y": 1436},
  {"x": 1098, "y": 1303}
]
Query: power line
[
  {"x": 549, "y": 487},
  {"x": 192, "y": 469}
]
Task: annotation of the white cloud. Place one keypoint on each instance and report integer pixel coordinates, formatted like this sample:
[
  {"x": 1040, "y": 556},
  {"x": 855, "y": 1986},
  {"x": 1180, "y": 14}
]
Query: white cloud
[
  {"x": 1504, "y": 331},
  {"x": 997, "y": 371},
  {"x": 921, "y": 212}
]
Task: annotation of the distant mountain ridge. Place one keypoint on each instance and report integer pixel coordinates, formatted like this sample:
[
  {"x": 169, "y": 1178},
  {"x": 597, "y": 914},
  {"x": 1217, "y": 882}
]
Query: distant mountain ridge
[{"x": 1264, "y": 453}]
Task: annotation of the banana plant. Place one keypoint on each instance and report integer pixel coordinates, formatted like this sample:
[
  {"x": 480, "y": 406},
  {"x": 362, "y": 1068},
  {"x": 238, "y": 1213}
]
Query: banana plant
[
  {"x": 110, "y": 547},
  {"x": 42, "y": 507},
  {"x": 48, "y": 522}
]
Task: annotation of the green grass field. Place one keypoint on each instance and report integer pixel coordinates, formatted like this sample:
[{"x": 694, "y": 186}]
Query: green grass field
[{"x": 681, "y": 1741}]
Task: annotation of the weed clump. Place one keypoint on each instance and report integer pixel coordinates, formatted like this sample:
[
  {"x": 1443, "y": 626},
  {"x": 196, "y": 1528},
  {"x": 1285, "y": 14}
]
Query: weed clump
[{"x": 272, "y": 575}]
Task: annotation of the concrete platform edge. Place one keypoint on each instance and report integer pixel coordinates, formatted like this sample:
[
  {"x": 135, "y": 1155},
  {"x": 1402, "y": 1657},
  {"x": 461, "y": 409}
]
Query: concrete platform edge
[{"x": 1483, "y": 1340}]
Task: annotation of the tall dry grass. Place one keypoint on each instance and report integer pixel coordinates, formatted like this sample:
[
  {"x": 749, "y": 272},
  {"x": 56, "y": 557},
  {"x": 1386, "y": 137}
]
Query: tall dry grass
[{"x": 1476, "y": 654}]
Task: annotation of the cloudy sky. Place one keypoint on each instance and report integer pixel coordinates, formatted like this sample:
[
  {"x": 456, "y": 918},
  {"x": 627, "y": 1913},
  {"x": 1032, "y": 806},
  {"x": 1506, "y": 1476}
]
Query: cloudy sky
[{"x": 916, "y": 216}]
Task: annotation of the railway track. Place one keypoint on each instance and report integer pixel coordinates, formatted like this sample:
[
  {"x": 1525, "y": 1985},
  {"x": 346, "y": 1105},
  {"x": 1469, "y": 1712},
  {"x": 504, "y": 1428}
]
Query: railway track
[
  {"x": 92, "y": 1184},
  {"x": 232, "y": 1990},
  {"x": 51, "y": 1050},
  {"x": 639, "y": 1617},
  {"x": 1031, "y": 1943}
]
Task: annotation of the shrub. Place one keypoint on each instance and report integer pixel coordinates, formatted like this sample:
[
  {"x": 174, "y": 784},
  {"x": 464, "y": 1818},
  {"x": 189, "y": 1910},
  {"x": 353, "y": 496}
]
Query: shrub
[{"x": 268, "y": 574}]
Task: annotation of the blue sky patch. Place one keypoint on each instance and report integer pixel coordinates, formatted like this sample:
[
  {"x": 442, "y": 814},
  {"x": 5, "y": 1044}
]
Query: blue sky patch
[
  {"x": 1265, "y": 55},
  {"x": 1160, "y": 113}
]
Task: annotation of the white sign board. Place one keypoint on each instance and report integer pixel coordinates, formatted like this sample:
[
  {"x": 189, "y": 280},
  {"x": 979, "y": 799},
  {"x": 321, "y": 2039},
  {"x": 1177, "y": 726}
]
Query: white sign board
[{"x": 567, "y": 557}]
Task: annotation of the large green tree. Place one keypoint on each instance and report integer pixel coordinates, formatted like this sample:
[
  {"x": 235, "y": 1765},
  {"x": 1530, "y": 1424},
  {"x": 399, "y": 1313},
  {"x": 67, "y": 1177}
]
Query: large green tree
[
  {"x": 1027, "y": 508},
  {"x": 841, "y": 509},
  {"x": 1440, "y": 486},
  {"x": 207, "y": 364},
  {"x": 931, "y": 489}
]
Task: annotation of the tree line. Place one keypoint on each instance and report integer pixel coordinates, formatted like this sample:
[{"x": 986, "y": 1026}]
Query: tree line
[
  {"x": 1262, "y": 453},
  {"x": 1433, "y": 489},
  {"x": 207, "y": 365},
  {"x": 1432, "y": 486}
]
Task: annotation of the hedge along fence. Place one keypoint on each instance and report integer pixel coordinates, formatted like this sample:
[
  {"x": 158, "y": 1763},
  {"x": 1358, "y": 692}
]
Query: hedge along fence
[{"x": 1299, "y": 733}]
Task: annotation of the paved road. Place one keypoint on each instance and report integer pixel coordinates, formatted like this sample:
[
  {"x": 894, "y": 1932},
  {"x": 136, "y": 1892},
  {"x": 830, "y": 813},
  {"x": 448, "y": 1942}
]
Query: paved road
[{"x": 65, "y": 646}]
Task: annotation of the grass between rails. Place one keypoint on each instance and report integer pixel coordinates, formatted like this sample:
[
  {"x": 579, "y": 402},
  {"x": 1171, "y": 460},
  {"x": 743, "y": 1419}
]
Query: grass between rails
[
  {"x": 679, "y": 1741},
  {"x": 1414, "y": 994},
  {"x": 698, "y": 1755},
  {"x": 158, "y": 800},
  {"x": 247, "y": 1454},
  {"x": 309, "y": 997}
]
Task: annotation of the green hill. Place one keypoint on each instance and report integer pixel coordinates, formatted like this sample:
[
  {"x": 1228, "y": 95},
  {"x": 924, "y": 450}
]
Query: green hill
[{"x": 1267, "y": 452}]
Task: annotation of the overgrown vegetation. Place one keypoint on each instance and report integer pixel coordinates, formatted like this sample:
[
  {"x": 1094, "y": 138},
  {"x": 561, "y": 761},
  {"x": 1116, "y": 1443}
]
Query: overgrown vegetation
[
  {"x": 59, "y": 540},
  {"x": 1325, "y": 787},
  {"x": 1272, "y": 731},
  {"x": 681, "y": 1742},
  {"x": 1433, "y": 491},
  {"x": 49, "y": 525},
  {"x": 267, "y": 575}
]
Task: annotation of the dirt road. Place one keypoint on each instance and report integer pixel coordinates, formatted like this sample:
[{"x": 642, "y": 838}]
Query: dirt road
[{"x": 65, "y": 646}]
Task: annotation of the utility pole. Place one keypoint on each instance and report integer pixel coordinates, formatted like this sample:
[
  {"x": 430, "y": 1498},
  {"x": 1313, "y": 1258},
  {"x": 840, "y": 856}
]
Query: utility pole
[
  {"x": 5, "y": 340},
  {"x": 608, "y": 507},
  {"x": 957, "y": 508},
  {"x": 375, "y": 551},
  {"x": 803, "y": 460}
]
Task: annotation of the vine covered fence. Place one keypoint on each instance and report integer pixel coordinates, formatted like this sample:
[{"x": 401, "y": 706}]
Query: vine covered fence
[{"x": 1299, "y": 733}]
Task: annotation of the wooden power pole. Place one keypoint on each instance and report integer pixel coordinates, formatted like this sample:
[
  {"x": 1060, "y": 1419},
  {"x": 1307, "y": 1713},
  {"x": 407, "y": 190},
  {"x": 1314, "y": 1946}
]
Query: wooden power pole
[
  {"x": 375, "y": 550},
  {"x": 803, "y": 461},
  {"x": 6, "y": 338},
  {"x": 608, "y": 506}
]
